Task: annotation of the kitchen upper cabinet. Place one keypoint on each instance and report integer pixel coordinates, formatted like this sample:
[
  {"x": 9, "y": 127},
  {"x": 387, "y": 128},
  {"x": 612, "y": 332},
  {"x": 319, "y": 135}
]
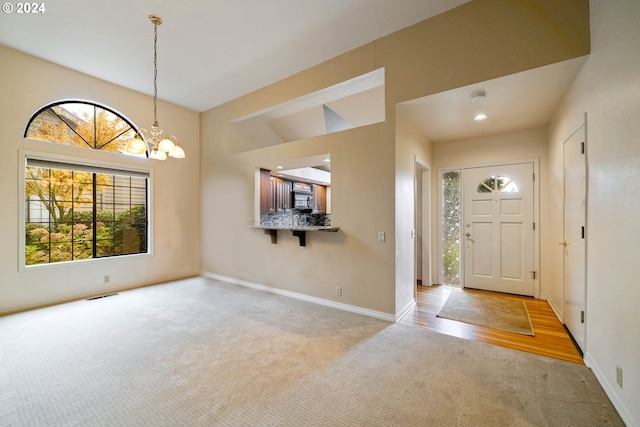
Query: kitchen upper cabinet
[
  {"x": 275, "y": 193},
  {"x": 265, "y": 192},
  {"x": 302, "y": 187},
  {"x": 319, "y": 199},
  {"x": 279, "y": 195},
  {"x": 285, "y": 196}
]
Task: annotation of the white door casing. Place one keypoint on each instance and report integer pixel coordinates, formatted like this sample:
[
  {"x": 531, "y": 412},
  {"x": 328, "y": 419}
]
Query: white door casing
[
  {"x": 423, "y": 222},
  {"x": 574, "y": 236},
  {"x": 498, "y": 231}
]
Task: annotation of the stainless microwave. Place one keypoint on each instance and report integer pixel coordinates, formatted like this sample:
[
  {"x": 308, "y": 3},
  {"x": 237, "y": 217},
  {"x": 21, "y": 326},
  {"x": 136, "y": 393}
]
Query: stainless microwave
[{"x": 302, "y": 200}]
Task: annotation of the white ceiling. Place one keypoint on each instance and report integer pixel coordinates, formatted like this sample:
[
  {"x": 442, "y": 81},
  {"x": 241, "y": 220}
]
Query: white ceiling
[
  {"x": 519, "y": 101},
  {"x": 209, "y": 51}
]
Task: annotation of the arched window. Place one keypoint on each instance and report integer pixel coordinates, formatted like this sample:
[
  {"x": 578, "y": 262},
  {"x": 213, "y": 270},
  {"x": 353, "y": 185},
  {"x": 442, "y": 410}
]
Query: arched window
[
  {"x": 76, "y": 209},
  {"x": 497, "y": 184},
  {"x": 80, "y": 123}
]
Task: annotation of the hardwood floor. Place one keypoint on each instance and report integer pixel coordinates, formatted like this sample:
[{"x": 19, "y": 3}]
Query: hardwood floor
[{"x": 550, "y": 338}]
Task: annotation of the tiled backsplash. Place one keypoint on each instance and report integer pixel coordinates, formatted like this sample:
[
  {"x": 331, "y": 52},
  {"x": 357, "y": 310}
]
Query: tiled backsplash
[{"x": 288, "y": 219}]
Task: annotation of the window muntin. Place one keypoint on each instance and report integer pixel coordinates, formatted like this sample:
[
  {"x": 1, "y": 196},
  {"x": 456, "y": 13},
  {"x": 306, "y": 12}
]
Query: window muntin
[
  {"x": 497, "y": 184},
  {"x": 80, "y": 123},
  {"x": 75, "y": 212}
]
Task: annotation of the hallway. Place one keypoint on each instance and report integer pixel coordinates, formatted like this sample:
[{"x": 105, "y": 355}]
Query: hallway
[{"x": 551, "y": 339}]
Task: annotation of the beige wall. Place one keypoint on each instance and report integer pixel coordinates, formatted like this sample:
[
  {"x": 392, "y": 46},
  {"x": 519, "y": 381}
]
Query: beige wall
[
  {"x": 26, "y": 84},
  {"x": 204, "y": 205},
  {"x": 517, "y": 145},
  {"x": 372, "y": 175},
  {"x": 607, "y": 90},
  {"x": 352, "y": 258}
]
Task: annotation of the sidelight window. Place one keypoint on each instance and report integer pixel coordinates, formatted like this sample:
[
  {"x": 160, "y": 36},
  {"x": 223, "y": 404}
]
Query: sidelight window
[{"x": 451, "y": 228}]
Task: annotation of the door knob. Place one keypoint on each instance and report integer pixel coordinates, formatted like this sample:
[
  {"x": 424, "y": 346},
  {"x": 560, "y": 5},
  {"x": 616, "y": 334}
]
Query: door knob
[
  {"x": 563, "y": 243},
  {"x": 467, "y": 234}
]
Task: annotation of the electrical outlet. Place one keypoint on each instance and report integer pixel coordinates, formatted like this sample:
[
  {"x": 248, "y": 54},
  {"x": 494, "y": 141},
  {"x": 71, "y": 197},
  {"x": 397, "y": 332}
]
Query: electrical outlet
[
  {"x": 338, "y": 291},
  {"x": 107, "y": 278},
  {"x": 381, "y": 236},
  {"x": 619, "y": 376}
]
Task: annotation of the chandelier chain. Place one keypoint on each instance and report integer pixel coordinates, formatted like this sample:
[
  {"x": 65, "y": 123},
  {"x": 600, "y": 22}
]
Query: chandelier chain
[
  {"x": 157, "y": 144},
  {"x": 155, "y": 74}
]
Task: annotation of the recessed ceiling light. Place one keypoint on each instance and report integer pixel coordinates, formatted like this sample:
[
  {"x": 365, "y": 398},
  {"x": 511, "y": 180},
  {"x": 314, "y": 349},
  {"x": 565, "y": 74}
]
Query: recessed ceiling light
[
  {"x": 480, "y": 117},
  {"x": 278, "y": 167}
]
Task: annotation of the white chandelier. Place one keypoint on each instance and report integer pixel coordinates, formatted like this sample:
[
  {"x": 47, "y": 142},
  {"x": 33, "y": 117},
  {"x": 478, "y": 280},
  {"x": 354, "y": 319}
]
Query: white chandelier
[{"x": 154, "y": 141}]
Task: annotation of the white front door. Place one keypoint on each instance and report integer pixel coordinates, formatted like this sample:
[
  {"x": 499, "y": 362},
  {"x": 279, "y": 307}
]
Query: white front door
[
  {"x": 574, "y": 251},
  {"x": 498, "y": 229}
]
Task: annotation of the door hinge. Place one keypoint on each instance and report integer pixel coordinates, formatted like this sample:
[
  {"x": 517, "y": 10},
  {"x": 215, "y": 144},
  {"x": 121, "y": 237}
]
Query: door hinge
[
  {"x": 582, "y": 148},
  {"x": 534, "y": 274},
  {"x": 582, "y": 316},
  {"x": 534, "y": 226},
  {"x": 534, "y": 176},
  {"x": 583, "y": 231}
]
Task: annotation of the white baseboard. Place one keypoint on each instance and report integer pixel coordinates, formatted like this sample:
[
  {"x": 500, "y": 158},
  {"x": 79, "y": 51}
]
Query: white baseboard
[
  {"x": 610, "y": 391},
  {"x": 553, "y": 306},
  {"x": 606, "y": 386},
  {"x": 320, "y": 301},
  {"x": 407, "y": 309}
]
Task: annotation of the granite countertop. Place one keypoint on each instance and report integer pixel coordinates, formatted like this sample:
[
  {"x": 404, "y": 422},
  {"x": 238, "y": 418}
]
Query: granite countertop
[{"x": 298, "y": 227}]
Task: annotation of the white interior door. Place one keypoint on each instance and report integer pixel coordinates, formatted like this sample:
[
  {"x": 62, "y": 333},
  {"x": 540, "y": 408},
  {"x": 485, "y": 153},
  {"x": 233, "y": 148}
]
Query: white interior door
[
  {"x": 574, "y": 238},
  {"x": 498, "y": 228}
]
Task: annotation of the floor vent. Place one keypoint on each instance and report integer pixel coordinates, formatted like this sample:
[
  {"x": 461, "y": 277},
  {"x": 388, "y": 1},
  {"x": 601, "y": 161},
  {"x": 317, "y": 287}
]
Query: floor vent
[{"x": 101, "y": 296}]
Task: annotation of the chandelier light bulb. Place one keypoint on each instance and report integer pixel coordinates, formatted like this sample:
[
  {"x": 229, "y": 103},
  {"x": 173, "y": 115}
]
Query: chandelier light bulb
[
  {"x": 166, "y": 144},
  {"x": 136, "y": 146},
  {"x": 158, "y": 155},
  {"x": 177, "y": 152}
]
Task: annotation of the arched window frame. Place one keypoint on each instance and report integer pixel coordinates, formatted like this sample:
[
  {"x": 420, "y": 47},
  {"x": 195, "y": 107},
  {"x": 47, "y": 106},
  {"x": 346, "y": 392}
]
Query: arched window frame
[
  {"x": 118, "y": 201},
  {"x": 119, "y": 115}
]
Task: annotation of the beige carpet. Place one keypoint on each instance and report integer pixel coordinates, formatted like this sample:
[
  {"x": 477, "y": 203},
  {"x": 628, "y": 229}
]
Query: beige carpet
[
  {"x": 202, "y": 353},
  {"x": 485, "y": 310}
]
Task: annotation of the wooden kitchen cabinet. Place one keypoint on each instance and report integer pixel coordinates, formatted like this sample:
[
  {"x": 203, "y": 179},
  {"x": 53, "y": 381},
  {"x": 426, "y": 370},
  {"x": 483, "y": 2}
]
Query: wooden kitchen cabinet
[
  {"x": 285, "y": 196},
  {"x": 278, "y": 198},
  {"x": 265, "y": 191},
  {"x": 319, "y": 199}
]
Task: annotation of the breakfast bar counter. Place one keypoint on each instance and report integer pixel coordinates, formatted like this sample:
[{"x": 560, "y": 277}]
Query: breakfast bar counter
[{"x": 300, "y": 231}]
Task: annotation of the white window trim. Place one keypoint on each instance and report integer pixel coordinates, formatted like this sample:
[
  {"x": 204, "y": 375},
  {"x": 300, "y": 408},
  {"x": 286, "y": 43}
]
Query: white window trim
[{"x": 90, "y": 163}]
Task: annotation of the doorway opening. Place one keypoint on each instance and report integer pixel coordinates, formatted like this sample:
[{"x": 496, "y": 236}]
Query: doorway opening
[{"x": 497, "y": 248}]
